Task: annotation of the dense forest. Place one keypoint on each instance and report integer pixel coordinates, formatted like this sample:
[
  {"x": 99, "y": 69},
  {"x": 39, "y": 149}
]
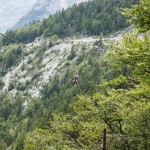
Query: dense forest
[
  {"x": 92, "y": 18},
  {"x": 113, "y": 91}
]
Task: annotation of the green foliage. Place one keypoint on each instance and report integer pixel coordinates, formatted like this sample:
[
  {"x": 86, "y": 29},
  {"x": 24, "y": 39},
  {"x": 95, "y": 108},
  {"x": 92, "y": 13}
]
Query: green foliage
[
  {"x": 72, "y": 54},
  {"x": 135, "y": 53},
  {"x": 1, "y": 83},
  {"x": 11, "y": 56},
  {"x": 11, "y": 86},
  {"x": 21, "y": 87},
  {"x": 40, "y": 53},
  {"x": 121, "y": 104},
  {"x": 123, "y": 117},
  {"x": 25, "y": 34},
  {"x": 139, "y": 15},
  {"x": 43, "y": 142},
  {"x": 50, "y": 44},
  {"x": 2, "y": 144}
]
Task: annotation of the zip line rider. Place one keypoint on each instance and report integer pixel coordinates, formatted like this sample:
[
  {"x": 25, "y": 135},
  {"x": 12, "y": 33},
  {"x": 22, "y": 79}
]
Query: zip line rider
[{"x": 75, "y": 78}]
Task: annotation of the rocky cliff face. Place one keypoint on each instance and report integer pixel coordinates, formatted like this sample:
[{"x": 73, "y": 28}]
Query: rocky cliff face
[
  {"x": 42, "y": 61},
  {"x": 17, "y": 13},
  {"x": 43, "y": 8},
  {"x": 33, "y": 72}
]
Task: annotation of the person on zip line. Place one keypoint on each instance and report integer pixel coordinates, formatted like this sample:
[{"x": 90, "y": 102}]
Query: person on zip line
[{"x": 75, "y": 78}]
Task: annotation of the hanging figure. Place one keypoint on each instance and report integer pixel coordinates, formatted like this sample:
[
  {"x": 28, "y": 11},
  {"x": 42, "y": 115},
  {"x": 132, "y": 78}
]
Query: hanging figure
[{"x": 75, "y": 78}]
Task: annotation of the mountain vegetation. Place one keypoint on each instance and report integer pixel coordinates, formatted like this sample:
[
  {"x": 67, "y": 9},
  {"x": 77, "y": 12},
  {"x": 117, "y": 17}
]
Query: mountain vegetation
[
  {"x": 91, "y": 18},
  {"x": 113, "y": 92}
]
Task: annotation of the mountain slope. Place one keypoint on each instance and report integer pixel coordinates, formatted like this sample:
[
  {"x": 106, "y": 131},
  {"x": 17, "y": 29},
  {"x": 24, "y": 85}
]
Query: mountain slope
[
  {"x": 43, "y": 8},
  {"x": 45, "y": 58},
  {"x": 112, "y": 91},
  {"x": 17, "y": 13},
  {"x": 77, "y": 20}
]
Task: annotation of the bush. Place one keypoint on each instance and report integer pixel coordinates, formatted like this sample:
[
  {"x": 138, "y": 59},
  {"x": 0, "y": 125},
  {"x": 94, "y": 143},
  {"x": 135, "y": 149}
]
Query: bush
[
  {"x": 72, "y": 54},
  {"x": 11, "y": 86},
  {"x": 1, "y": 83},
  {"x": 21, "y": 87},
  {"x": 11, "y": 56}
]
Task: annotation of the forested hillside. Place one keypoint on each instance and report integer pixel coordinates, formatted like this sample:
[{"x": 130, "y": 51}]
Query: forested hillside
[
  {"x": 92, "y": 18},
  {"x": 112, "y": 91}
]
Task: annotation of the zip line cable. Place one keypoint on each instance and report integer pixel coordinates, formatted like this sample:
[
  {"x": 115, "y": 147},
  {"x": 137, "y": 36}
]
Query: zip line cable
[{"x": 14, "y": 40}]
